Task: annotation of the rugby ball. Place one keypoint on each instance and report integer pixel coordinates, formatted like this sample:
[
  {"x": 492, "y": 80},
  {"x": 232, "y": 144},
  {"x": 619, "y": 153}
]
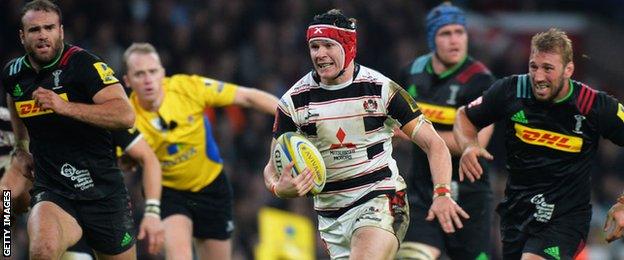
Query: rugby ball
[{"x": 293, "y": 147}]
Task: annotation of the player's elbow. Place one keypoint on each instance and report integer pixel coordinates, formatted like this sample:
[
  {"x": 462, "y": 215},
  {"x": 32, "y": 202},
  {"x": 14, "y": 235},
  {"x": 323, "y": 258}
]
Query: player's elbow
[{"x": 127, "y": 120}]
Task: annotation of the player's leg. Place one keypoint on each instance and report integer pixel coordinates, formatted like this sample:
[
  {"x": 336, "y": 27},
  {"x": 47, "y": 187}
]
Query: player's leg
[
  {"x": 373, "y": 243},
  {"x": 214, "y": 249},
  {"x": 178, "y": 237},
  {"x": 51, "y": 229},
  {"x": 562, "y": 238},
  {"x": 424, "y": 239},
  {"x": 473, "y": 240},
  {"x": 380, "y": 227},
  {"x": 108, "y": 226},
  {"x": 80, "y": 251},
  {"x": 212, "y": 219}
]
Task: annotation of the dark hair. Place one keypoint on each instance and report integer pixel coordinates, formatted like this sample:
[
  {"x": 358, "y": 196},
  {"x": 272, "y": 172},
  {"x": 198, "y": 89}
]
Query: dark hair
[
  {"x": 41, "y": 5},
  {"x": 335, "y": 17}
]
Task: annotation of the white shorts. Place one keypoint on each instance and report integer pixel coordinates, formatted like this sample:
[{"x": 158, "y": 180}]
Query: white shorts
[{"x": 390, "y": 214}]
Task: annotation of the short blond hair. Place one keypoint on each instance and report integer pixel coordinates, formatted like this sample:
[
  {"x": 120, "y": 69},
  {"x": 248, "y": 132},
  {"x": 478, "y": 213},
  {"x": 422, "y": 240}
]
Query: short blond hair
[
  {"x": 138, "y": 47},
  {"x": 553, "y": 41}
]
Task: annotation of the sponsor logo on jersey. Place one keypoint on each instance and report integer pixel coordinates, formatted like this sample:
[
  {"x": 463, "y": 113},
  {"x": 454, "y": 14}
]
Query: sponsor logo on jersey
[
  {"x": 17, "y": 91},
  {"x": 543, "y": 210},
  {"x": 553, "y": 251},
  {"x": 30, "y": 108},
  {"x": 553, "y": 140},
  {"x": 620, "y": 112},
  {"x": 82, "y": 178},
  {"x": 438, "y": 114},
  {"x": 519, "y": 117},
  {"x": 106, "y": 73},
  {"x": 337, "y": 152}
]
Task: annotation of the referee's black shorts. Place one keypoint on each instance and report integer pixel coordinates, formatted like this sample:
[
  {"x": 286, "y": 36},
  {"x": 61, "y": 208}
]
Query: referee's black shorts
[{"x": 210, "y": 209}]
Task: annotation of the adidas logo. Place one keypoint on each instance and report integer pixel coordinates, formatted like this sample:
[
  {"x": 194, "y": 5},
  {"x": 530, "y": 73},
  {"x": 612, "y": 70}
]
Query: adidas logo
[
  {"x": 519, "y": 117},
  {"x": 17, "y": 91},
  {"x": 126, "y": 239},
  {"x": 553, "y": 251}
]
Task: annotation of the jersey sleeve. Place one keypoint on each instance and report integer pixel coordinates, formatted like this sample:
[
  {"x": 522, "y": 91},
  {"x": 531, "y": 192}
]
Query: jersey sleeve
[
  {"x": 611, "y": 116},
  {"x": 283, "y": 119},
  {"x": 214, "y": 93},
  {"x": 488, "y": 108},
  {"x": 125, "y": 139},
  {"x": 93, "y": 73},
  {"x": 477, "y": 85},
  {"x": 402, "y": 107}
]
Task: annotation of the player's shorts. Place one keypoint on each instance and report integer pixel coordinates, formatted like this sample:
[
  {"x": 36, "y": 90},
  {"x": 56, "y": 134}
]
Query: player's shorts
[
  {"x": 562, "y": 238},
  {"x": 470, "y": 242},
  {"x": 107, "y": 224},
  {"x": 210, "y": 209},
  {"x": 79, "y": 251},
  {"x": 387, "y": 212}
]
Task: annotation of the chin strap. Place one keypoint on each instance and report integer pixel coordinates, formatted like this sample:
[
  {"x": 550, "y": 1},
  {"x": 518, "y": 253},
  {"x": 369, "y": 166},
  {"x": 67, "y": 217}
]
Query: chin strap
[{"x": 339, "y": 74}]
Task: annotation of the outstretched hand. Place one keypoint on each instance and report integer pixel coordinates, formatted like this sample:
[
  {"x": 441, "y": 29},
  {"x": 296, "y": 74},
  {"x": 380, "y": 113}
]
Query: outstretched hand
[
  {"x": 448, "y": 213},
  {"x": 614, "y": 224},
  {"x": 469, "y": 166}
]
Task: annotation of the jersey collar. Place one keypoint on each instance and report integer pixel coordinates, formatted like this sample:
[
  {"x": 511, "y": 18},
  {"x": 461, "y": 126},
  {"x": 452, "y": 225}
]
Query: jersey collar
[{"x": 447, "y": 72}]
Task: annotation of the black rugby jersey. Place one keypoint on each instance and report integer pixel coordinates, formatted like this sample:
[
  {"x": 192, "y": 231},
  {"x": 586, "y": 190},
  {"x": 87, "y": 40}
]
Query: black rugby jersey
[
  {"x": 439, "y": 97},
  {"x": 72, "y": 158},
  {"x": 550, "y": 146}
]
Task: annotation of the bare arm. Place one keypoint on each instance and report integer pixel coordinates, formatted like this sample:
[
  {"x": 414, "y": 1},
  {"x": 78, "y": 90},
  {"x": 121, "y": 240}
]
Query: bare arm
[
  {"x": 152, "y": 173},
  {"x": 19, "y": 129},
  {"x": 437, "y": 152},
  {"x": 484, "y": 136},
  {"x": 256, "y": 99},
  {"x": 467, "y": 139},
  {"x": 443, "y": 207},
  {"x": 111, "y": 109},
  {"x": 151, "y": 226}
]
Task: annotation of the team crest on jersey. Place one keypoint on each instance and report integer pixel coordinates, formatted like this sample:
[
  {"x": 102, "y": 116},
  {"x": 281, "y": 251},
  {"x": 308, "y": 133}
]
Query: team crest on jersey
[
  {"x": 29, "y": 108},
  {"x": 57, "y": 78},
  {"x": 553, "y": 140},
  {"x": 370, "y": 105},
  {"x": 106, "y": 73},
  {"x": 579, "y": 123}
]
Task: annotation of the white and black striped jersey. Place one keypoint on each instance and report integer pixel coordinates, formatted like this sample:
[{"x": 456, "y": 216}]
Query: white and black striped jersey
[{"x": 351, "y": 124}]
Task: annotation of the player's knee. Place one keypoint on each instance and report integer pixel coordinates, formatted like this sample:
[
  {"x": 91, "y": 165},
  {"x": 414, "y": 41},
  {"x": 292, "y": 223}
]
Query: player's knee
[
  {"x": 44, "y": 249},
  {"x": 417, "y": 251}
]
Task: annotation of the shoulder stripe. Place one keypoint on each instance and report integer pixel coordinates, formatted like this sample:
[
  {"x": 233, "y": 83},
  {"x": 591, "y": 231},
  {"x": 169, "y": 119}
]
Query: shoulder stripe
[
  {"x": 586, "y": 99},
  {"x": 16, "y": 66},
  {"x": 68, "y": 54},
  {"x": 475, "y": 68},
  {"x": 419, "y": 64},
  {"x": 523, "y": 86}
]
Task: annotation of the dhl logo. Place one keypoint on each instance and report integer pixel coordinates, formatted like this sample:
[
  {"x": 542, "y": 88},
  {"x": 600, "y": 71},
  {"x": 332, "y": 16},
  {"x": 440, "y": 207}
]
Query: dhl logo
[
  {"x": 438, "y": 114},
  {"x": 30, "y": 108},
  {"x": 549, "y": 139}
]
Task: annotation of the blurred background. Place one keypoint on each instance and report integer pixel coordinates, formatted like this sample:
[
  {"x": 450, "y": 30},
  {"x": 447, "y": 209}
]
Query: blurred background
[{"x": 261, "y": 44}]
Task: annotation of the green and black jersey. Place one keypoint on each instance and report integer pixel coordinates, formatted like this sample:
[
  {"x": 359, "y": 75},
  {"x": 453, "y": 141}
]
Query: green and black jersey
[
  {"x": 72, "y": 158},
  {"x": 439, "y": 97},
  {"x": 550, "y": 146}
]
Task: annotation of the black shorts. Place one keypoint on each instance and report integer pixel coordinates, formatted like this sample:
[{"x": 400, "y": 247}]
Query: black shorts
[
  {"x": 210, "y": 209},
  {"x": 470, "y": 242},
  {"x": 107, "y": 224},
  {"x": 562, "y": 238},
  {"x": 82, "y": 247}
]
